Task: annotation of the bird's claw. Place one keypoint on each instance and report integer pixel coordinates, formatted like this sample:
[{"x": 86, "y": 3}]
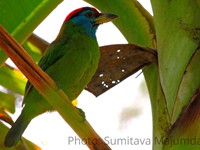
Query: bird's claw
[
  {"x": 58, "y": 86},
  {"x": 82, "y": 114}
]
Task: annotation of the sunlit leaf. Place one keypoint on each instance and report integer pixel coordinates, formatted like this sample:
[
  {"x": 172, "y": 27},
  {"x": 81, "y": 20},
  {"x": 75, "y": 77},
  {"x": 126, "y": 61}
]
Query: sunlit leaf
[
  {"x": 7, "y": 101},
  {"x": 21, "y": 17},
  {"x": 30, "y": 145},
  {"x": 12, "y": 79},
  {"x": 33, "y": 51},
  {"x": 35, "y": 46},
  {"x": 38, "y": 42}
]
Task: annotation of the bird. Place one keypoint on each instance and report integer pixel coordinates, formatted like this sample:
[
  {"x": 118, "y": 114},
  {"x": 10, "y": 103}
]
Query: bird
[{"x": 70, "y": 60}]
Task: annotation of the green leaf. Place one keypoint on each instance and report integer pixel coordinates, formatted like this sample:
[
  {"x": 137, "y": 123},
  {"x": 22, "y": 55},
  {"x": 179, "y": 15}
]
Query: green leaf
[
  {"x": 7, "y": 101},
  {"x": 23, "y": 17},
  {"x": 35, "y": 46},
  {"x": 161, "y": 120},
  {"x": 175, "y": 46},
  {"x": 38, "y": 42},
  {"x": 33, "y": 51},
  {"x": 12, "y": 79},
  {"x": 188, "y": 86}
]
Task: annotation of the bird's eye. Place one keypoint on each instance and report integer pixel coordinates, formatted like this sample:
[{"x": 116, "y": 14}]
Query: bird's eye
[{"x": 89, "y": 15}]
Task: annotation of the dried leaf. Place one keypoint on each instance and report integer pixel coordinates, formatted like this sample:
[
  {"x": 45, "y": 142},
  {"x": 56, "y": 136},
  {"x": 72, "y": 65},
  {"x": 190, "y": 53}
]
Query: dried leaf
[
  {"x": 118, "y": 62},
  {"x": 187, "y": 125}
]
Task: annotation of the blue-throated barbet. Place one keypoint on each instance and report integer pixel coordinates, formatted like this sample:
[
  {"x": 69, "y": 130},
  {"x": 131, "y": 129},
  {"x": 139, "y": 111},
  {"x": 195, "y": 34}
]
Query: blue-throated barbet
[{"x": 70, "y": 60}]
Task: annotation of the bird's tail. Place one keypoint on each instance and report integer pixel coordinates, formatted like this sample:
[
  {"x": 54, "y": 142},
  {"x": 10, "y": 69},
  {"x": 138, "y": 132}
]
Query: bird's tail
[{"x": 16, "y": 131}]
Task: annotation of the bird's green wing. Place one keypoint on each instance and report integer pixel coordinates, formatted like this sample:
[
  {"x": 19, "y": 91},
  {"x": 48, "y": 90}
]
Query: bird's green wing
[{"x": 48, "y": 59}]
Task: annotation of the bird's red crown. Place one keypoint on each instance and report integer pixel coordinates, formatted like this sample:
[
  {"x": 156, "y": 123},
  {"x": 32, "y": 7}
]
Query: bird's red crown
[{"x": 77, "y": 11}]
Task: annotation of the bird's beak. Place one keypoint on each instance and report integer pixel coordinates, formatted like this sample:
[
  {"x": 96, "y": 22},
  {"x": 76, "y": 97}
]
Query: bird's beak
[{"x": 103, "y": 18}]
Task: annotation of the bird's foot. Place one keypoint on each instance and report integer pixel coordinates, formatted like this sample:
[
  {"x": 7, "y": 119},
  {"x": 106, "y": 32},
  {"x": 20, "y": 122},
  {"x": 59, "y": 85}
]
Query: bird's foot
[
  {"x": 58, "y": 86},
  {"x": 82, "y": 114}
]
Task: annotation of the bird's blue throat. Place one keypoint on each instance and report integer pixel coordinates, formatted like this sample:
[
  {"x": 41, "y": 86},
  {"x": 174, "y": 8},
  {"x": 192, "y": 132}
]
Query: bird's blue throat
[{"x": 88, "y": 26}]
